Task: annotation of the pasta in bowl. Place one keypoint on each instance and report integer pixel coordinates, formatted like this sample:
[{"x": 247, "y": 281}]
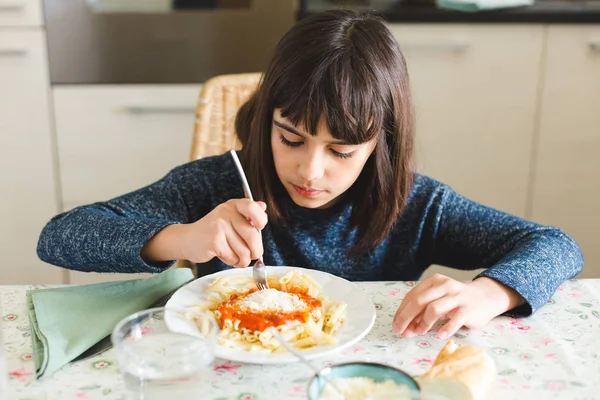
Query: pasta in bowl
[{"x": 308, "y": 307}]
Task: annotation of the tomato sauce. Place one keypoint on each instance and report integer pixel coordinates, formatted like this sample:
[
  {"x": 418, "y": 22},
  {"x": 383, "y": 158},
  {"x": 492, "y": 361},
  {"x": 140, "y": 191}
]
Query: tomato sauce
[{"x": 261, "y": 320}]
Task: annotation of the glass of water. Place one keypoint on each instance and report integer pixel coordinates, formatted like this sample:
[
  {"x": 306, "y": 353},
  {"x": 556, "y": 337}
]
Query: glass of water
[{"x": 166, "y": 353}]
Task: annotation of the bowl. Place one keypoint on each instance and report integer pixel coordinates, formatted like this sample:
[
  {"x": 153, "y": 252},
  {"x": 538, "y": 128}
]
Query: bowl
[{"x": 377, "y": 372}]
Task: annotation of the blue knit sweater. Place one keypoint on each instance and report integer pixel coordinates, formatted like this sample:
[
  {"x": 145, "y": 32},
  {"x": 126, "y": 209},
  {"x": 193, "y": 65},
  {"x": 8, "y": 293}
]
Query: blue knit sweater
[{"x": 438, "y": 226}]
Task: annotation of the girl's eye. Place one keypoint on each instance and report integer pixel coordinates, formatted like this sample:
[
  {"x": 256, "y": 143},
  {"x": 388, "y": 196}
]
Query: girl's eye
[
  {"x": 288, "y": 142},
  {"x": 342, "y": 155}
]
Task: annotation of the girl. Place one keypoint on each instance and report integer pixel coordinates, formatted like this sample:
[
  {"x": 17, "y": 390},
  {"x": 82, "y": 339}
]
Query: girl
[{"x": 327, "y": 148}]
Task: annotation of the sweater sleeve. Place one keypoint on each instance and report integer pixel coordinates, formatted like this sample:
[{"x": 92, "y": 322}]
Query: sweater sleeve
[
  {"x": 530, "y": 258},
  {"x": 108, "y": 236}
]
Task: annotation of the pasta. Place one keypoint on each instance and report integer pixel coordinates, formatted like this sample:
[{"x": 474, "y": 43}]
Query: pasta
[{"x": 293, "y": 305}]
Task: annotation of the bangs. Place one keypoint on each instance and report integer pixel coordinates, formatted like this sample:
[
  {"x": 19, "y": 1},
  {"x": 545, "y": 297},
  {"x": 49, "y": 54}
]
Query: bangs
[{"x": 346, "y": 93}]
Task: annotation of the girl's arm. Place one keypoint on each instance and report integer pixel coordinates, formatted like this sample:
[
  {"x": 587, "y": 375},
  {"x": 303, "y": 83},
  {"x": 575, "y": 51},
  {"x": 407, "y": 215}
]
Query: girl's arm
[
  {"x": 525, "y": 262},
  {"x": 108, "y": 236},
  {"x": 531, "y": 259}
]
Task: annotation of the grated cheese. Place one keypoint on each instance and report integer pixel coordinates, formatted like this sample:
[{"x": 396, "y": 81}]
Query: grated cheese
[
  {"x": 272, "y": 300},
  {"x": 362, "y": 388}
]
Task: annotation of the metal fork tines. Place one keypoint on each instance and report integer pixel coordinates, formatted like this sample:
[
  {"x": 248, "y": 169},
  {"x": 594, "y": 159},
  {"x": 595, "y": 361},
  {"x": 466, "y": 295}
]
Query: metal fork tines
[
  {"x": 259, "y": 271},
  {"x": 259, "y": 274}
]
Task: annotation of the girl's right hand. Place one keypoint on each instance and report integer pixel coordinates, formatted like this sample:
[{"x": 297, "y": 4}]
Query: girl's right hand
[{"x": 230, "y": 232}]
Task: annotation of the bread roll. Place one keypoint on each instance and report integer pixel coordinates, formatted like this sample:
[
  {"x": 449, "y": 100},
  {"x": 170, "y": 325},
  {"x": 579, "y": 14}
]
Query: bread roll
[{"x": 459, "y": 373}]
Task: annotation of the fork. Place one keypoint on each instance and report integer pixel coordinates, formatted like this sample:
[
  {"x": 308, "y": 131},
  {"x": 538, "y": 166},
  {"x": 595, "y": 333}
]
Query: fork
[{"x": 259, "y": 270}]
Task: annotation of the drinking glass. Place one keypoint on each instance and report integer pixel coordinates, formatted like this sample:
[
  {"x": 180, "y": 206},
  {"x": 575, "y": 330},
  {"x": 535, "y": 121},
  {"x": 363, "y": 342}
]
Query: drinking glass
[{"x": 165, "y": 354}]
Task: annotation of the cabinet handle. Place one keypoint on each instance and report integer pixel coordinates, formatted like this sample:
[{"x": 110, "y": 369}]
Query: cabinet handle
[
  {"x": 12, "y": 52},
  {"x": 451, "y": 47},
  {"x": 595, "y": 45},
  {"x": 8, "y": 7},
  {"x": 158, "y": 110}
]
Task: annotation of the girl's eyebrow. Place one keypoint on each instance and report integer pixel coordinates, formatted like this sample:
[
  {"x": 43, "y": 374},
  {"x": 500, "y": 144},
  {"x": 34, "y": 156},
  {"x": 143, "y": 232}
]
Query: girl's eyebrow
[
  {"x": 293, "y": 130},
  {"x": 288, "y": 128}
]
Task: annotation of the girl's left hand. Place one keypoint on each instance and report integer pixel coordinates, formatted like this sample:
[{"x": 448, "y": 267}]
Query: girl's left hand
[{"x": 471, "y": 304}]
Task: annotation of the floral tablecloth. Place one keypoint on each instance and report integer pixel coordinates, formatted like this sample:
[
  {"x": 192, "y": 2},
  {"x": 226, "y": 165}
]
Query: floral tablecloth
[{"x": 554, "y": 354}]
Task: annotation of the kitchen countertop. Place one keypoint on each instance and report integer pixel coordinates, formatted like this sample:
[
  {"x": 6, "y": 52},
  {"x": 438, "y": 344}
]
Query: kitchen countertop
[{"x": 414, "y": 11}]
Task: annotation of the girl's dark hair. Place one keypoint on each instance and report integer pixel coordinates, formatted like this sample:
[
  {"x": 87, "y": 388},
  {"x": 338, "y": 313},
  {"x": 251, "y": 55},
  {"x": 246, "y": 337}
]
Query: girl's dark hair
[{"x": 346, "y": 67}]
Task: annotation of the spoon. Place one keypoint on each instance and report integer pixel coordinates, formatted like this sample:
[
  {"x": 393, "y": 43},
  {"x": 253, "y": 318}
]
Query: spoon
[{"x": 291, "y": 349}]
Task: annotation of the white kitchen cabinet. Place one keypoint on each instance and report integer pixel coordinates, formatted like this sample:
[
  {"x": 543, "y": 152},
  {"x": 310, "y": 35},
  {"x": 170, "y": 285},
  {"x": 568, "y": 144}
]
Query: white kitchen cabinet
[
  {"x": 27, "y": 183},
  {"x": 114, "y": 139},
  {"x": 474, "y": 89},
  {"x": 567, "y": 175},
  {"x": 475, "y": 93},
  {"x": 21, "y": 13}
]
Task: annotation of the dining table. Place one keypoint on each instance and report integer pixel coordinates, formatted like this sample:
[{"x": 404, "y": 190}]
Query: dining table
[{"x": 554, "y": 354}]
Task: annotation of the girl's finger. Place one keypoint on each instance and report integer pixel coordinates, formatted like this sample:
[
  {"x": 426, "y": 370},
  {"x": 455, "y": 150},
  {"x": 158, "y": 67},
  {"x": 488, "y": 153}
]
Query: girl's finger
[
  {"x": 253, "y": 212},
  {"x": 239, "y": 248},
  {"x": 225, "y": 253},
  {"x": 457, "y": 321},
  {"x": 249, "y": 235},
  {"x": 414, "y": 304},
  {"x": 436, "y": 280},
  {"x": 435, "y": 311},
  {"x": 411, "y": 329}
]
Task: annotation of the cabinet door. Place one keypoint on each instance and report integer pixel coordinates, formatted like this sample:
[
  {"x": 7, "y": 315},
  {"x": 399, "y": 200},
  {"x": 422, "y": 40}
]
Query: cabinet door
[
  {"x": 115, "y": 139},
  {"x": 20, "y": 13},
  {"x": 28, "y": 198},
  {"x": 567, "y": 176},
  {"x": 474, "y": 90}
]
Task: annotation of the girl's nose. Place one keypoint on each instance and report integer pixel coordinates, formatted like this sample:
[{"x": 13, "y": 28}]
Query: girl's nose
[{"x": 312, "y": 167}]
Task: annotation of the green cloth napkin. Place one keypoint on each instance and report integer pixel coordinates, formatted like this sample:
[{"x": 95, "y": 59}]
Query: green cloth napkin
[
  {"x": 481, "y": 5},
  {"x": 68, "y": 320}
]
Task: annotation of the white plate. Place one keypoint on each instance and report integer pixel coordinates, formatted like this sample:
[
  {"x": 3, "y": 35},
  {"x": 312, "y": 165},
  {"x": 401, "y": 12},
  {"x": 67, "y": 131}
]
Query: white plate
[{"x": 359, "y": 321}]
